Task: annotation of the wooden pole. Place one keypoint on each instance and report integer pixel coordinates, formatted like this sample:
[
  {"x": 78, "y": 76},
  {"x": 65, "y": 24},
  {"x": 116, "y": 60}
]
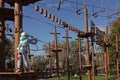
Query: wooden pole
[
  {"x": 29, "y": 56},
  {"x": 18, "y": 26},
  {"x": 67, "y": 53},
  {"x": 93, "y": 64},
  {"x": 117, "y": 58},
  {"x": 2, "y": 41},
  {"x": 50, "y": 63},
  {"x": 105, "y": 59},
  {"x": 87, "y": 40},
  {"x": 108, "y": 61},
  {"x": 50, "y": 55},
  {"x": 56, "y": 52},
  {"x": 80, "y": 58}
]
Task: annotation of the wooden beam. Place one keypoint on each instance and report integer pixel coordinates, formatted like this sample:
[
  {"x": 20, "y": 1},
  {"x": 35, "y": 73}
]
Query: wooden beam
[
  {"x": 7, "y": 14},
  {"x": 2, "y": 40},
  {"x": 21, "y": 76},
  {"x": 25, "y": 2}
]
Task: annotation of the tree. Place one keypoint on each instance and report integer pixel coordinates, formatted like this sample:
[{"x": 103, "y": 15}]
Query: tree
[
  {"x": 115, "y": 28},
  {"x": 74, "y": 54},
  {"x": 9, "y": 53},
  {"x": 38, "y": 63},
  {"x": 73, "y": 47}
]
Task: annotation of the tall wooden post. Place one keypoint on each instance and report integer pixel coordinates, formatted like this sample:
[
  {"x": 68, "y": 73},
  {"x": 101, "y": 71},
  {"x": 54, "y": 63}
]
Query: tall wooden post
[
  {"x": 29, "y": 56},
  {"x": 50, "y": 55},
  {"x": 67, "y": 47},
  {"x": 117, "y": 58},
  {"x": 2, "y": 41},
  {"x": 108, "y": 61},
  {"x": 105, "y": 59},
  {"x": 56, "y": 50},
  {"x": 93, "y": 64},
  {"x": 18, "y": 26},
  {"x": 67, "y": 53},
  {"x": 87, "y": 40},
  {"x": 80, "y": 58}
]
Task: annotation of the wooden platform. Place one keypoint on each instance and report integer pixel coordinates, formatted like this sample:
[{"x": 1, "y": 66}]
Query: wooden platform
[
  {"x": 100, "y": 68},
  {"x": 87, "y": 66},
  {"x": 25, "y": 2},
  {"x": 7, "y": 14},
  {"x": 20, "y": 76}
]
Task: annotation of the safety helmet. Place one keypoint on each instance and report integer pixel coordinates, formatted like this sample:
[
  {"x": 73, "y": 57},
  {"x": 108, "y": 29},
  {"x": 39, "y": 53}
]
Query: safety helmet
[{"x": 24, "y": 34}]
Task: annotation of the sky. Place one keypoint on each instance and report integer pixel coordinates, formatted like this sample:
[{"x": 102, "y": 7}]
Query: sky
[{"x": 40, "y": 27}]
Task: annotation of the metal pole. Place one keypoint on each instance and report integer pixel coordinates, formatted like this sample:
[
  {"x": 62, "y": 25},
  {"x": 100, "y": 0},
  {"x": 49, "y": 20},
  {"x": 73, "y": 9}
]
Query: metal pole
[
  {"x": 87, "y": 40},
  {"x": 2, "y": 41},
  {"x": 18, "y": 26},
  {"x": 117, "y": 59}
]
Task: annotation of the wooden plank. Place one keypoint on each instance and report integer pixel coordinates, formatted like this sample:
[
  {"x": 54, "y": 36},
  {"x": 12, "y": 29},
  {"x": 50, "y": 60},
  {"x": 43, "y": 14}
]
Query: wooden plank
[
  {"x": 6, "y": 13},
  {"x": 25, "y": 2},
  {"x": 100, "y": 68},
  {"x": 21, "y": 76},
  {"x": 22, "y": 73}
]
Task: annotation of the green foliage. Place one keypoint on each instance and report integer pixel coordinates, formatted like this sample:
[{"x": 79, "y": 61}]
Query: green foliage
[
  {"x": 115, "y": 28},
  {"x": 73, "y": 54},
  {"x": 38, "y": 63},
  {"x": 8, "y": 48},
  {"x": 9, "y": 53}
]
